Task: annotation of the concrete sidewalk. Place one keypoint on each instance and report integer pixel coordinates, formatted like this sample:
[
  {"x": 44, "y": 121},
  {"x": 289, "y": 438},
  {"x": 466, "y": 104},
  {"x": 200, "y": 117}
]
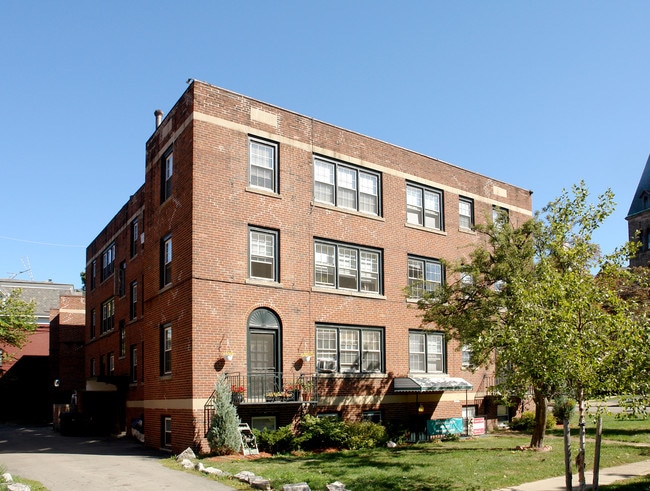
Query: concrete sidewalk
[{"x": 605, "y": 476}]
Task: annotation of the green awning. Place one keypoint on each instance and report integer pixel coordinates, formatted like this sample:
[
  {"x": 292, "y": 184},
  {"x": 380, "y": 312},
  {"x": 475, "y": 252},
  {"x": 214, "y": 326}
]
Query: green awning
[{"x": 430, "y": 384}]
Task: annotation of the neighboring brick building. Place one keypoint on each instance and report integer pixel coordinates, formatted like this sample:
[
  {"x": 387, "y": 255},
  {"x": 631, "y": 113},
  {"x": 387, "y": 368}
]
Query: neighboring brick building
[
  {"x": 66, "y": 360},
  {"x": 262, "y": 236},
  {"x": 24, "y": 376}
]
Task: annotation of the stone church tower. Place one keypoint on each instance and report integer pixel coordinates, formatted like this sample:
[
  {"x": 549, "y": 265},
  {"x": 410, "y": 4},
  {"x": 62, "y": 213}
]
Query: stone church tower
[{"x": 638, "y": 218}]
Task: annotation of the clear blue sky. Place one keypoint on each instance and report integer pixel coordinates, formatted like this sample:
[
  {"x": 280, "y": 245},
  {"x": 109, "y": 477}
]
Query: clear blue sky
[{"x": 536, "y": 94}]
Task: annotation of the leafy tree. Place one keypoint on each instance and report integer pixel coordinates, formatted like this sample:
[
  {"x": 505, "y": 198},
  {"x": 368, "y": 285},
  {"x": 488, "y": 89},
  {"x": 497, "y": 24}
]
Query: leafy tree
[
  {"x": 536, "y": 309},
  {"x": 17, "y": 319},
  {"x": 223, "y": 436}
]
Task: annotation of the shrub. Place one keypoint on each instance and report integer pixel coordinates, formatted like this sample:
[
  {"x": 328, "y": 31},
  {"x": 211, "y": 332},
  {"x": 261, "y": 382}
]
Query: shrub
[
  {"x": 223, "y": 435},
  {"x": 318, "y": 433},
  {"x": 282, "y": 440},
  {"x": 526, "y": 422},
  {"x": 365, "y": 434},
  {"x": 563, "y": 407}
]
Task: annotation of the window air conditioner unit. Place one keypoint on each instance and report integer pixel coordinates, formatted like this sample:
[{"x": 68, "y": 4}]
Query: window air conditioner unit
[{"x": 326, "y": 365}]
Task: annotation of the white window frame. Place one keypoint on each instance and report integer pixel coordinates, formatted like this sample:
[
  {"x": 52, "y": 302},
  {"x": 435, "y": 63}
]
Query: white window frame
[
  {"x": 466, "y": 357},
  {"x": 167, "y": 170},
  {"x": 424, "y": 206},
  {"x": 347, "y": 186},
  {"x": 167, "y": 432},
  {"x": 423, "y": 275},
  {"x": 263, "y": 255},
  {"x": 465, "y": 213},
  {"x": 166, "y": 261},
  {"x": 133, "y": 301},
  {"x": 108, "y": 261},
  {"x": 427, "y": 352},
  {"x": 133, "y": 363},
  {"x": 262, "y": 170},
  {"x": 350, "y": 349},
  {"x": 108, "y": 316},
  {"x": 166, "y": 349},
  {"x": 347, "y": 267}
]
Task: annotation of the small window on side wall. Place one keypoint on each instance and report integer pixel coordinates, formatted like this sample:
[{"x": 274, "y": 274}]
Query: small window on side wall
[
  {"x": 424, "y": 206},
  {"x": 263, "y": 254},
  {"x": 167, "y": 170},
  {"x": 263, "y": 164},
  {"x": 466, "y": 213}
]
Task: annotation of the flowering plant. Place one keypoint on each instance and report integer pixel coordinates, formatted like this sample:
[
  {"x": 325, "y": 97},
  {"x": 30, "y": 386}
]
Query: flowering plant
[
  {"x": 237, "y": 389},
  {"x": 292, "y": 387}
]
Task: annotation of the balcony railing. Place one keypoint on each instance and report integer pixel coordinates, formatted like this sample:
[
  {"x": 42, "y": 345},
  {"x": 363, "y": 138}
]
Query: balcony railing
[
  {"x": 268, "y": 388},
  {"x": 272, "y": 387}
]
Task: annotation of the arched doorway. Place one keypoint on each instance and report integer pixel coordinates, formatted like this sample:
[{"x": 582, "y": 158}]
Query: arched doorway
[{"x": 264, "y": 353}]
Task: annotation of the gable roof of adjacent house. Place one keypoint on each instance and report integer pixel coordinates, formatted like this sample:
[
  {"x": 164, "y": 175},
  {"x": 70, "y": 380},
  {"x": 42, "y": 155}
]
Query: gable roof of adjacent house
[{"x": 45, "y": 294}]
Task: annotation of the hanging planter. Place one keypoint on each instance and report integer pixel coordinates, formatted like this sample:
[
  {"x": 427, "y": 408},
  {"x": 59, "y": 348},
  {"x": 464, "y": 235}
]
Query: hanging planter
[
  {"x": 306, "y": 356},
  {"x": 228, "y": 356}
]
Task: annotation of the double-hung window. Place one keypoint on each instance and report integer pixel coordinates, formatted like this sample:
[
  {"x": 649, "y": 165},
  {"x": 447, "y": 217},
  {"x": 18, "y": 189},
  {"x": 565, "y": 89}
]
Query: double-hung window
[
  {"x": 165, "y": 261},
  {"x": 121, "y": 279},
  {"x": 424, "y": 275},
  {"x": 427, "y": 352},
  {"x": 347, "y": 267},
  {"x": 500, "y": 214},
  {"x": 263, "y": 164},
  {"x": 263, "y": 254},
  {"x": 93, "y": 323},
  {"x": 135, "y": 237},
  {"x": 167, "y": 170},
  {"x": 122, "y": 333},
  {"x": 108, "y": 314},
  {"x": 349, "y": 349},
  {"x": 424, "y": 206},
  {"x": 134, "y": 363},
  {"x": 133, "y": 304},
  {"x": 466, "y": 213},
  {"x": 346, "y": 186},
  {"x": 166, "y": 349},
  {"x": 166, "y": 431},
  {"x": 108, "y": 261}
]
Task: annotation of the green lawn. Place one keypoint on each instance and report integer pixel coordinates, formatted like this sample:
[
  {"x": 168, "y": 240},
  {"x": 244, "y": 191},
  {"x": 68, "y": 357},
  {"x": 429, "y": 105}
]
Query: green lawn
[{"x": 485, "y": 463}]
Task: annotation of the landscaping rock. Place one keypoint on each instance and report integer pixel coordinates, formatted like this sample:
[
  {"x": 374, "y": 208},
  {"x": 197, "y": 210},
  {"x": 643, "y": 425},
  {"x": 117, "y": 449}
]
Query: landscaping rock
[
  {"x": 188, "y": 453},
  {"x": 187, "y": 464},
  {"x": 336, "y": 486},
  {"x": 245, "y": 476},
  {"x": 300, "y": 486},
  {"x": 7, "y": 477},
  {"x": 16, "y": 486},
  {"x": 259, "y": 482},
  {"x": 210, "y": 470}
]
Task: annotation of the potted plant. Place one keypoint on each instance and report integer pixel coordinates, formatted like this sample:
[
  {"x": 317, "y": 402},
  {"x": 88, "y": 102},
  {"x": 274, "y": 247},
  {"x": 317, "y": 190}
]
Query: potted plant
[
  {"x": 237, "y": 393},
  {"x": 294, "y": 391},
  {"x": 228, "y": 355},
  {"x": 307, "y": 386}
]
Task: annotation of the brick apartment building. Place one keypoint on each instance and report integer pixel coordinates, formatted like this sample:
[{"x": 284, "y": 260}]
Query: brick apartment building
[{"x": 276, "y": 249}]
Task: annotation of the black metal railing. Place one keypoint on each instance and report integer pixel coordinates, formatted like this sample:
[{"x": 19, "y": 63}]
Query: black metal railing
[{"x": 267, "y": 388}]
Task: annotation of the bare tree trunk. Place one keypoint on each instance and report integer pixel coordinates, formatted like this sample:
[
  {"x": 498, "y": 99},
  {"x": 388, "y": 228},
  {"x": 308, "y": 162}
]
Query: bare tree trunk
[
  {"x": 580, "y": 459},
  {"x": 568, "y": 476},
  {"x": 541, "y": 411},
  {"x": 599, "y": 437}
]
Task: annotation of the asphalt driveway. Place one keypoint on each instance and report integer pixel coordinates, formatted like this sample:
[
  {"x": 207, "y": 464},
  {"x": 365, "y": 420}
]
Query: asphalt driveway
[{"x": 69, "y": 463}]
